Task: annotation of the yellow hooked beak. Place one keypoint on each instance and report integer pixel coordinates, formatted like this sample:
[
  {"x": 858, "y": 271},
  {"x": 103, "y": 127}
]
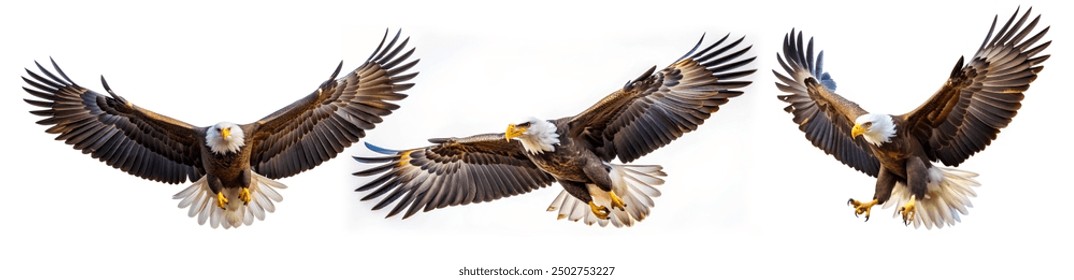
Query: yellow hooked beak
[
  {"x": 226, "y": 133},
  {"x": 513, "y": 131},
  {"x": 858, "y": 130}
]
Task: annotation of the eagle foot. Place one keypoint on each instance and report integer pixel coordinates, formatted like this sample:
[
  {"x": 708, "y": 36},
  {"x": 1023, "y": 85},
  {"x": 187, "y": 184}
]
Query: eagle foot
[
  {"x": 908, "y": 211},
  {"x": 617, "y": 202},
  {"x": 221, "y": 201},
  {"x": 244, "y": 194},
  {"x": 862, "y": 207},
  {"x": 601, "y": 211}
]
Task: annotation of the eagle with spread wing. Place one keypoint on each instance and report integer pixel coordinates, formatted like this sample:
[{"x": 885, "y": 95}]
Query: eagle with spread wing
[{"x": 233, "y": 167}]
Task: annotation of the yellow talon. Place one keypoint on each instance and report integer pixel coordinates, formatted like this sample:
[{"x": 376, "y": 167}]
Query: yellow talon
[
  {"x": 617, "y": 202},
  {"x": 601, "y": 211},
  {"x": 221, "y": 200},
  {"x": 907, "y": 210},
  {"x": 244, "y": 194},
  {"x": 862, "y": 207}
]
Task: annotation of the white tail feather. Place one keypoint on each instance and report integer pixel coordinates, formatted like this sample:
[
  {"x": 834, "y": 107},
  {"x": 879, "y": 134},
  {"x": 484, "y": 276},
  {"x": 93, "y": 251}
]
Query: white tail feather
[
  {"x": 634, "y": 184},
  {"x": 947, "y": 199},
  {"x": 201, "y": 201}
]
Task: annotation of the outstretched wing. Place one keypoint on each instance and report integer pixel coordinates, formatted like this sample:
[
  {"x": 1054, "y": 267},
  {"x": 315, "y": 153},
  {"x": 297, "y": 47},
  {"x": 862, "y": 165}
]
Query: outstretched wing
[
  {"x": 455, "y": 171},
  {"x": 111, "y": 129},
  {"x": 825, "y": 117},
  {"x": 318, "y": 127},
  {"x": 659, "y": 107},
  {"x": 982, "y": 96}
]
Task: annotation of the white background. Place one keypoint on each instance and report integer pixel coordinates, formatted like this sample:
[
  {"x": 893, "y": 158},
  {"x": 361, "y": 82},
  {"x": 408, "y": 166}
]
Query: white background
[{"x": 747, "y": 196}]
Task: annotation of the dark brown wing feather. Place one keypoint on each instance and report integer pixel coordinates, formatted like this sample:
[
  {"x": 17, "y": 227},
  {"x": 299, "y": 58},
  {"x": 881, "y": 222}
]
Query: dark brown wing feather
[
  {"x": 657, "y": 108},
  {"x": 982, "y": 96},
  {"x": 318, "y": 127},
  {"x": 455, "y": 171},
  {"x": 132, "y": 139},
  {"x": 825, "y": 117}
]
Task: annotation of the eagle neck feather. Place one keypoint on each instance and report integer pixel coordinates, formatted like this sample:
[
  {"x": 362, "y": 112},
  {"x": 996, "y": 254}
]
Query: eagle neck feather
[
  {"x": 540, "y": 137},
  {"x": 221, "y": 146},
  {"x": 882, "y": 131}
]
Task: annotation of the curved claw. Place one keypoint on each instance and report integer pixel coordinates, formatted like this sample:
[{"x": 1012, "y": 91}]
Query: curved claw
[
  {"x": 908, "y": 211},
  {"x": 601, "y": 211},
  {"x": 245, "y": 196},
  {"x": 617, "y": 202},
  {"x": 221, "y": 201},
  {"x": 907, "y": 216}
]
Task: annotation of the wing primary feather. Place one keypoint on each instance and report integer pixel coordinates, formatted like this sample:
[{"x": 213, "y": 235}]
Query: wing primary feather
[
  {"x": 382, "y": 189},
  {"x": 376, "y": 170},
  {"x": 60, "y": 71},
  {"x": 394, "y": 52},
  {"x": 998, "y": 39},
  {"x": 109, "y": 90},
  {"x": 719, "y": 69},
  {"x": 711, "y": 46},
  {"x": 336, "y": 72},
  {"x": 958, "y": 67},
  {"x": 990, "y": 30},
  {"x": 691, "y": 52},
  {"x": 404, "y": 57},
  {"x": 820, "y": 62},
  {"x": 810, "y": 63},
  {"x": 38, "y": 103},
  {"x": 1034, "y": 39},
  {"x": 53, "y": 78},
  {"x": 737, "y": 74},
  {"x": 381, "y": 45},
  {"x": 1017, "y": 25},
  {"x": 387, "y": 48},
  {"x": 724, "y": 49},
  {"x": 392, "y": 197},
  {"x": 37, "y": 85},
  {"x": 404, "y": 67},
  {"x": 1025, "y": 31},
  {"x": 40, "y": 94},
  {"x": 48, "y": 85},
  {"x": 402, "y": 204},
  {"x": 380, "y": 159},
  {"x": 1035, "y": 60},
  {"x": 646, "y": 74},
  {"x": 376, "y": 182},
  {"x": 400, "y": 78},
  {"x": 380, "y": 150},
  {"x": 439, "y": 140}
]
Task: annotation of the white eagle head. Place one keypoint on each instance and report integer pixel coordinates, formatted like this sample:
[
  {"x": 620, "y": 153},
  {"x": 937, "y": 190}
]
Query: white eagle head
[
  {"x": 224, "y": 138},
  {"x": 537, "y": 136},
  {"x": 876, "y": 128}
]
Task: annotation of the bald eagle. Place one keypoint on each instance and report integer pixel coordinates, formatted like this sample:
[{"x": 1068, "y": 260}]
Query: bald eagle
[
  {"x": 979, "y": 98},
  {"x": 576, "y": 151},
  {"x": 233, "y": 167}
]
